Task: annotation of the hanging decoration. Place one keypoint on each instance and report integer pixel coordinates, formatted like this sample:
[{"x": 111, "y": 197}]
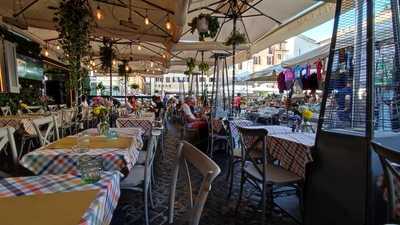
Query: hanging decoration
[
  {"x": 190, "y": 63},
  {"x": 73, "y": 19},
  {"x": 235, "y": 38},
  {"x": 203, "y": 67},
  {"x": 107, "y": 54},
  {"x": 206, "y": 25}
]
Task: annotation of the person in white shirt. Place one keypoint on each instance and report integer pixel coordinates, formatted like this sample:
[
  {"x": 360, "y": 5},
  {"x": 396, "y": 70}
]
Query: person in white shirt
[{"x": 194, "y": 122}]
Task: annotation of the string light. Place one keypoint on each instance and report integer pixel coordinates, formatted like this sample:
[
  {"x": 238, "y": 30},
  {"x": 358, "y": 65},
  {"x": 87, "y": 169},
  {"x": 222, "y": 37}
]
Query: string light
[
  {"x": 146, "y": 19},
  {"x": 151, "y": 64},
  {"x": 46, "y": 53},
  {"x": 168, "y": 23},
  {"x": 114, "y": 62},
  {"x": 58, "y": 47},
  {"x": 99, "y": 13},
  {"x": 164, "y": 56},
  {"x": 139, "y": 47}
]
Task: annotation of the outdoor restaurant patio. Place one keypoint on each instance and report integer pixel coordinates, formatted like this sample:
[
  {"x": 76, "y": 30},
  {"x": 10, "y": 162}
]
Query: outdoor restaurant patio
[{"x": 212, "y": 112}]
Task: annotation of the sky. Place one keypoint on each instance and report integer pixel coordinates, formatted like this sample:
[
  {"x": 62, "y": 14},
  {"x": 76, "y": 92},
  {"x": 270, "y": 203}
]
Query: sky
[{"x": 321, "y": 32}]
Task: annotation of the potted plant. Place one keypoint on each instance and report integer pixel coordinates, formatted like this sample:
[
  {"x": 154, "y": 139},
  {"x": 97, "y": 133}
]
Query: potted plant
[
  {"x": 134, "y": 86},
  {"x": 203, "y": 67},
  {"x": 236, "y": 38},
  {"x": 191, "y": 64},
  {"x": 206, "y": 26},
  {"x": 100, "y": 87},
  {"x": 107, "y": 54}
]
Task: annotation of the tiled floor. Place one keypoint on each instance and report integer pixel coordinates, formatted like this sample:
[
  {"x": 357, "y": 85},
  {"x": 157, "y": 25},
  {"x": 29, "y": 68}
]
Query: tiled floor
[{"x": 218, "y": 210}]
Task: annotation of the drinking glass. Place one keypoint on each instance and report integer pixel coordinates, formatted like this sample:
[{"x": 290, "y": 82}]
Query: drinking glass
[{"x": 90, "y": 168}]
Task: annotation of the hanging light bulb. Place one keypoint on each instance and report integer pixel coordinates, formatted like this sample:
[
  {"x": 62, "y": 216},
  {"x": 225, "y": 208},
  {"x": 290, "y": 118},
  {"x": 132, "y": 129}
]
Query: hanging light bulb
[
  {"x": 151, "y": 64},
  {"x": 58, "y": 47},
  {"x": 93, "y": 63},
  {"x": 46, "y": 53},
  {"x": 168, "y": 24},
  {"x": 99, "y": 13},
  {"x": 114, "y": 62},
  {"x": 126, "y": 68},
  {"x": 139, "y": 47},
  {"x": 146, "y": 19},
  {"x": 164, "y": 56}
]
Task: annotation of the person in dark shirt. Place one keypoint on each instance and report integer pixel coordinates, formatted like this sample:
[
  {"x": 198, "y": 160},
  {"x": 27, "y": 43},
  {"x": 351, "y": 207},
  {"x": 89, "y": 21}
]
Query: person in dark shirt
[{"x": 159, "y": 108}]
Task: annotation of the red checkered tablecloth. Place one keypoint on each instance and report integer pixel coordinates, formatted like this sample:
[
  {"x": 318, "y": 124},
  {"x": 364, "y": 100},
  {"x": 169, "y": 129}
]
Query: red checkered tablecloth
[
  {"x": 60, "y": 161},
  {"x": 293, "y": 150},
  {"x": 100, "y": 210},
  {"x": 145, "y": 123},
  {"x": 23, "y": 123}
]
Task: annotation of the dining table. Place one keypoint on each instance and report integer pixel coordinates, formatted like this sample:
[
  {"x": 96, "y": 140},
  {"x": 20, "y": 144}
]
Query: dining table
[
  {"x": 293, "y": 150},
  {"x": 59, "y": 199},
  {"x": 62, "y": 156},
  {"x": 144, "y": 121}
]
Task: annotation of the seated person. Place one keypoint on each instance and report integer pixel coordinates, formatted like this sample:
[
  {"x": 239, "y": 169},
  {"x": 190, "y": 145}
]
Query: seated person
[
  {"x": 194, "y": 122},
  {"x": 131, "y": 104}
]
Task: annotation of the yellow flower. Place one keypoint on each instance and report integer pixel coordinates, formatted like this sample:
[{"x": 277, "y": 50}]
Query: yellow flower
[
  {"x": 96, "y": 111},
  {"x": 24, "y": 106},
  {"x": 307, "y": 114}
]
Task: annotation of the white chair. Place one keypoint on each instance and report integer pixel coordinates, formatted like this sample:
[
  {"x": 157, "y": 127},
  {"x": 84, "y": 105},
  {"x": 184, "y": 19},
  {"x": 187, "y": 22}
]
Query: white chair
[
  {"x": 187, "y": 153},
  {"x": 5, "y": 110},
  {"x": 139, "y": 178},
  {"x": 46, "y": 129},
  {"x": 7, "y": 137},
  {"x": 52, "y": 108}
]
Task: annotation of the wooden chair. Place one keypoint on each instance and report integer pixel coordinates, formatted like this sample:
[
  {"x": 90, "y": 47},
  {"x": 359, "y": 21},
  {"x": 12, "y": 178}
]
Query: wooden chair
[
  {"x": 46, "y": 129},
  {"x": 7, "y": 139},
  {"x": 5, "y": 110},
  {"x": 67, "y": 123},
  {"x": 259, "y": 169},
  {"x": 390, "y": 160},
  {"x": 139, "y": 178},
  {"x": 52, "y": 108},
  {"x": 187, "y": 153}
]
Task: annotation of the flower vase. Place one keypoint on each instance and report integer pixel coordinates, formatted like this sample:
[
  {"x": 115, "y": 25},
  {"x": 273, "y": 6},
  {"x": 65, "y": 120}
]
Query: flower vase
[{"x": 103, "y": 127}]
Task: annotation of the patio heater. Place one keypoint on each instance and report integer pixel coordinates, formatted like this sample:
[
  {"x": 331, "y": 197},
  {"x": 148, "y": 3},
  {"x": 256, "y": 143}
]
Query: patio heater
[
  {"x": 361, "y": 104},
  {"x": 220, "y": 85}
]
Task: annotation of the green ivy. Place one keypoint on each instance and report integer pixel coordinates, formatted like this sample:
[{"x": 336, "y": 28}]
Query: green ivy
[
  {"x": 73, "y": 18},
  {"x": 107, "y": 54},
  {"x": 213, "y": 26}
]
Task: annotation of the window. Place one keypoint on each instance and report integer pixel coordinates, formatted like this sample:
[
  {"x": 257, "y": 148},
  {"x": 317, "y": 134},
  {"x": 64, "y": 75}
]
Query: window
[
  {"x": 240, "y": 66},
  {"x": 269, "y": 60},
  {"x": 173, "y": 79},
  {"x": 256, "y": 60},
  {"x": 270, "y": 51},
  {"x": 167, "y": 79},
  {"x": 279, "y": 57}
]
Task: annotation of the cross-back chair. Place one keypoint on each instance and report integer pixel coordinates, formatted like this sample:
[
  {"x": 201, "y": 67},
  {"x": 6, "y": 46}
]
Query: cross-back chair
[
  {"x": 7, "y": 140},
  {"x": 139, "y": 178},
  {"x": 46, "y": 129},
  {"x": 390, "y": 160},
  {"x": 5, "y": 110},
  {"x": 187, "y": 153},
  {"x": 260, "y": 170}
]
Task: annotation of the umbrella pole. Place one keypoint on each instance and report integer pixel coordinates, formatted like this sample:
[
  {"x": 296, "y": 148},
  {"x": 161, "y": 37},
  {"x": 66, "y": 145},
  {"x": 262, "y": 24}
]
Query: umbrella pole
[
  {"x": 233, "y": 62},
  {"x": 223, "y": 86}
]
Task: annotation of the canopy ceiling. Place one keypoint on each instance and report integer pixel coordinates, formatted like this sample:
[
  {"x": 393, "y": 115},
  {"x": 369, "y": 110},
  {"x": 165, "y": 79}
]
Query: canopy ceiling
[{"x": 164, "y": 48}]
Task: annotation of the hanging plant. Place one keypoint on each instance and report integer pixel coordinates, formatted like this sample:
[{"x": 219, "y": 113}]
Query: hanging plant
[
  {"x": 190, "y": 63},
  {"x": 100, "y": 87},
  {"x": 206, "y": 26},
  {"x": 203, "y": 67},
  {"x": 107, "y": 54},
  {"x": 122, "y": 68},
  {"x": 134, "y": 86},
  {"x": 236, "y": 38},
  {"x": 73, "y": 19}
]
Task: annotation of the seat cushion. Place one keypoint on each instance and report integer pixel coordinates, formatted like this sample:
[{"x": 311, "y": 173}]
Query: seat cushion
[
  {"x": 274, "y": 174},
  {"x": 142, "y": 158},
  {"x": 134, "y": 178}
]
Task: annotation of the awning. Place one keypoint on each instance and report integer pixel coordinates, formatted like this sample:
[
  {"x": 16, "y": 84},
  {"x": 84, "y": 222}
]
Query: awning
[
  {"x": 268, "y": 74},
  {"x": 308, "y": 57}
]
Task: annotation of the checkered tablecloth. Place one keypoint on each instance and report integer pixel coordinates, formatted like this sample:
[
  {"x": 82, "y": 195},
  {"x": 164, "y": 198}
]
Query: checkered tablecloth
[
  {"x": 100, "y": 210},
  {"x": 293, "y": 150},
  {"x": 234, "y": 124},
  {"x": 60, "y": 161},
  {"x": 145, "y": 123},
  {"x": 135, "y": 132},
  {"x": 23, "y": 123}
]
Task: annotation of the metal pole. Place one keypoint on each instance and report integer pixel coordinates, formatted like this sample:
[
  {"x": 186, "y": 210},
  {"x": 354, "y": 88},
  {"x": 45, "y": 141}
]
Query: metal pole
[
  {"x": 217, "y": 84},
  {"x": 223, "y": 85},
  {"x": 212, "y": 103},
  {"x": 227, "y": 80},
  {"x": 396, "y": 74},
  {"x": 126, "y": 77},
  {"x": 233, "y": 60}
]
